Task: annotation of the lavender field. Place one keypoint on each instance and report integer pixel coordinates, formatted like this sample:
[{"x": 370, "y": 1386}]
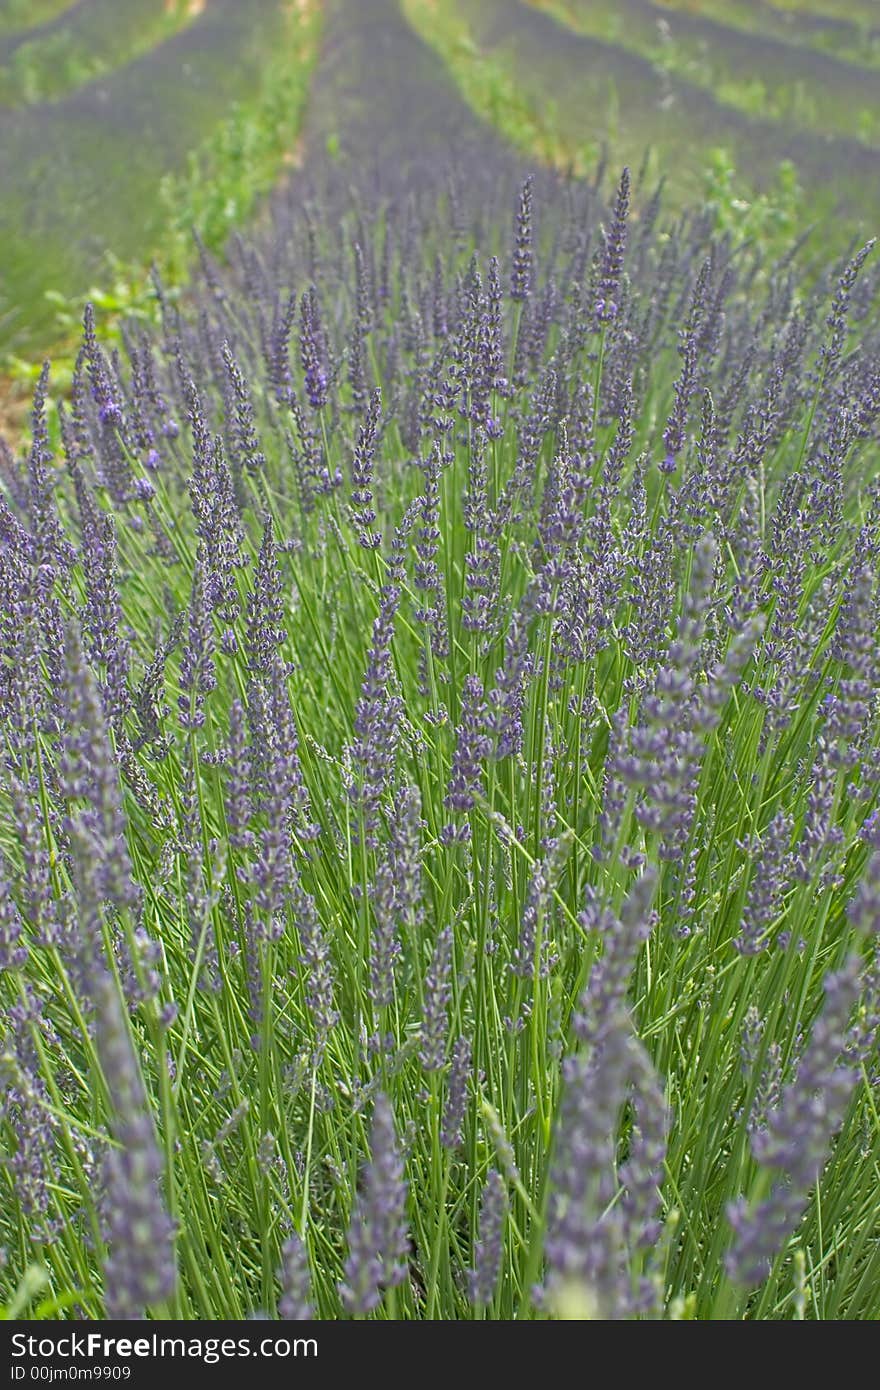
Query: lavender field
[
  {"x": 440, "y": 690},
  {"x": 81, "y": 167},
  {"x": 643, "y": 76}
]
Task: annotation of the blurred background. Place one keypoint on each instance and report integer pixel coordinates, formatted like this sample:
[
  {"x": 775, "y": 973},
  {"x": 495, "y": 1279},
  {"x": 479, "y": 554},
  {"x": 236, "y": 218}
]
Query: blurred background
[{"x": 135, "y": 132}]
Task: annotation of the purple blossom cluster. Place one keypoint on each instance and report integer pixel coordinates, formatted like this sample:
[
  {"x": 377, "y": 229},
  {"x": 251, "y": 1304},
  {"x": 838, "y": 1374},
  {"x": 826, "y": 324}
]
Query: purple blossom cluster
[
  {"x": 377, "y": 1237},
  {"x": 439, "y": 683},
  {"x": 592, "y": 1238},
  {"x": 798, "y": 1132}
]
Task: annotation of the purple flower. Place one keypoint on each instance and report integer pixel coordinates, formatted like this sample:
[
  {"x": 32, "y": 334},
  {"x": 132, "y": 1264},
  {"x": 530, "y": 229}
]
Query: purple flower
[
  {"x": 427, "y": 576},
  {"x": 197, "y": 675},
  {"x": 798, "y": 1133},
  {"x": 544, "y": 876},
  {"x": 363, "y": 322},
  {"x": 692, "y": 359},
  {"x": 139, "y": 1270},
  {"x": 245, "y": 450},
  {"x": 591, "y": 1239},
  {"x": 313, "y": 350},
  {"x": 395, "y": 895},
  {"x": 318, "y": 968},
  {"x": 377, "y": 1236},
  {"x": 51, "y": 545},
  {"x": 472, "y": 747},
  {"x": 507, "y": 700},
  {"x": 214, "y": 506},
  {"x": 265, "y": 607},
  {"x": 452, "y": 1127},
  {"x": 438, "y": 993},
  {"x": 379, "y": 710},
  {"x": 296, "y": 1282},
  {"x": 489, "y": 1248},
  {"x": 13, "y": 947},
  {"x": 26, "y": 1108},
  {"x": 363, "y": 514},
  {"x": 773, "y": 866},
  {"x": 106, "y": 647},
  {"x": 89, "y": 779},
  {"x": 105, "y": 391},
  {"x": 522, "y": 268},
  {"x": 836, "y": 322},
  {"x": 613, "y": 254}
]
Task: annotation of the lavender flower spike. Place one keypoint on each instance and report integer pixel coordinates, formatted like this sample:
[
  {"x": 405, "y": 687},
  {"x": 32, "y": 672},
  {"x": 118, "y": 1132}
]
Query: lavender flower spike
[
  {"x": 139, "y": 1271},
  {"x": 472, "y": 746},
  {"x": 489, "y": 1249},
  {"x": 591, "y": 1237},
  {"x": 798, "y": 1133},
  {"x": 614, "y": 251},
  {"x": 313, "y": 350},
  {"x": 523, "y": 256},
  {"x": 377, "y": 1236},
  {"x": 296, "y": 1282},
  {"x": 452, "y": 1128},
  {"x": 104, "y": 391},
  {"x": 438, "y": 993},
  {"x": 363, "y": 513}
]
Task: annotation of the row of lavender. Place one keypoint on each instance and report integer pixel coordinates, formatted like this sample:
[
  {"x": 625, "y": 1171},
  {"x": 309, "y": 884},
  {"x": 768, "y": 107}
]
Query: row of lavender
[{"x": 440, "y": 852}]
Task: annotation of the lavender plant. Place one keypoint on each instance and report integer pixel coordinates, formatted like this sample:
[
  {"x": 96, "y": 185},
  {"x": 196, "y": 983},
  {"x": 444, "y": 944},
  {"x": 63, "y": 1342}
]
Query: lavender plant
[{"x": 441, "y": 743}]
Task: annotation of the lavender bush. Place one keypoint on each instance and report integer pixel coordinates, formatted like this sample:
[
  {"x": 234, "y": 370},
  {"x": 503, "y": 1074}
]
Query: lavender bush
[{"x": 440, "y": 786}]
